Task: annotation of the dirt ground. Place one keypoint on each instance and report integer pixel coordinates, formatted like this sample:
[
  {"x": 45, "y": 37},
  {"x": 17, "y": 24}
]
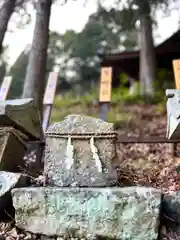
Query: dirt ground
[{"x": 148, "y": 164}]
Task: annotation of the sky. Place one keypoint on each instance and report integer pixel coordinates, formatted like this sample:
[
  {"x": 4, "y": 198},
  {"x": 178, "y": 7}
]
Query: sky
[{"x": 74, "y": 15}]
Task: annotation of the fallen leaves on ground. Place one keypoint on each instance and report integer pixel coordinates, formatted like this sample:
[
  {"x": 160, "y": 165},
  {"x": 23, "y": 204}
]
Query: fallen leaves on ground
[{"x": 148, "y": 164}]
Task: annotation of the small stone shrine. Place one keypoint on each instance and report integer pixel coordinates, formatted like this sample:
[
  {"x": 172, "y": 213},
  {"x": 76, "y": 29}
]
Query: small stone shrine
[
  {"x": 81, "y": 198},
  {"x": 80, "y": 151}
]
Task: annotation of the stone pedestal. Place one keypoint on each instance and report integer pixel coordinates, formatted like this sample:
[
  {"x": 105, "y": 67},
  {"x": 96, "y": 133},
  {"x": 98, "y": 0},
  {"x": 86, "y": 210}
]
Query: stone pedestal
[
  {"x": 83, "y": 202},
  {"x": 116, "y": 213}
]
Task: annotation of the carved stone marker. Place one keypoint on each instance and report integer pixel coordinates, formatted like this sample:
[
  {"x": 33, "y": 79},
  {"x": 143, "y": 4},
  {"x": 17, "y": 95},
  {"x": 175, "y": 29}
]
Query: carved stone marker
[
  {"x": 80, "y": 151},
  {"x": 23, "y": 115},
  {"x": 115, "y": 213},
  {"x": 173, "y": 114}
]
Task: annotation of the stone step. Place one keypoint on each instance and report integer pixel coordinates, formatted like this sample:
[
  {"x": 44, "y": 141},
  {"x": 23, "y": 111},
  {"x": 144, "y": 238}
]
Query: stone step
[{"x": 117, "y": 213}]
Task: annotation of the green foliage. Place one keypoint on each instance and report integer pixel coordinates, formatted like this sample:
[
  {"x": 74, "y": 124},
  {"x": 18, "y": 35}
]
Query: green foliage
[
  {"x": 79, "y": 61},
  {"x": 122, "y": 96},
  {"x": 161, "y": 108},
  {"x": 76, "y": 53},
  {"x": 120, "y": 119},
  {"x": 69, "y": 104}
]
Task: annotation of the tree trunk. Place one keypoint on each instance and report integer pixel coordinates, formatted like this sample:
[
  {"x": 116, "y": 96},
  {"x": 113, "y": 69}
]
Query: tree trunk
[
  {"x": 6, "y": 11},
  {"x": 34, "y": 84},
  {"x": 147, "y": 51}
]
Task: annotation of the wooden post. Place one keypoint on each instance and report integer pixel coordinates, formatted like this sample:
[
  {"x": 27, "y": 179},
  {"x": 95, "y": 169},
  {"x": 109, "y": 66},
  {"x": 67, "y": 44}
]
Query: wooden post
[
  {"x": 47, "y": 103},
  {"x": 5, "y": 86},
  {"x": 176, "y": 69},
  {"x": 105, "y": 91},
  {"x": 49, "y": 98}
]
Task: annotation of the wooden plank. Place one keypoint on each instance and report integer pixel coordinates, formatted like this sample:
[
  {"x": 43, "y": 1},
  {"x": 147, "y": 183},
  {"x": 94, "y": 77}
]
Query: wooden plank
[
  {"x": 176, "y": 68},
  {"x": 5, "y": 86},
  {"x": 49, "y": 98},
  {"x": 51, "y": 88},
  {"x": 46, "y": 116},
  {"x": 105, "y": 84}
]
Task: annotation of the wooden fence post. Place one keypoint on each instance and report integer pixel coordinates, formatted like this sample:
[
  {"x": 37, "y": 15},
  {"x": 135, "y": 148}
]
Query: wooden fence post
[
  {"x": 105, "y": 91},
  {"x": 49, "y": 98},
  {"x": 5, "y": 86}
]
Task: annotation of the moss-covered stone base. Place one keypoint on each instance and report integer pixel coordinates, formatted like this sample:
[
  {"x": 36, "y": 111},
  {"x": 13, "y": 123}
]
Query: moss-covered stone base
[{"x": 117, "y": 213}]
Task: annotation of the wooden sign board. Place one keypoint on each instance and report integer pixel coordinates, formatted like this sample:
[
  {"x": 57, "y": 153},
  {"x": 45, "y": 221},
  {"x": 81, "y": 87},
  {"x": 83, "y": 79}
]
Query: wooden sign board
[
  {"x": 176, "y": 68},
  {"x": 51, "y": 88},
  {"x": 5, "y": 88},
  {"x": 106, "y": 84}
]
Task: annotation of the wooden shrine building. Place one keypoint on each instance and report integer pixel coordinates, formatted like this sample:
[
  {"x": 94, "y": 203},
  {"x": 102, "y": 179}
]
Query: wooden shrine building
[{"x": 128, "y": 62}]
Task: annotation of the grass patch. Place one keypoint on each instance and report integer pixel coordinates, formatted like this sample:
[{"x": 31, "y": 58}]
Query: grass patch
[
  {"x": 120, "y": 119},
  {"x": 70, "y": 104},
  {"x": 161, "y": 108}
]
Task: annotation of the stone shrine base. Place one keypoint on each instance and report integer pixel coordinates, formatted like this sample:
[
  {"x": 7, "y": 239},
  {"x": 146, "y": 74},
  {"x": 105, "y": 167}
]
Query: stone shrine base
[{"x": 118, "y": 213}]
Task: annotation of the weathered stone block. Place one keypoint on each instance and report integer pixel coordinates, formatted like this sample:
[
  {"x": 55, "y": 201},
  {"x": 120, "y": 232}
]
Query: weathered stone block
[
  {"x": 171, "y": 206},
  {"x": 117, "y": 213},
  {"x": 173, "y": 114},
  {"x": 23, "y": 115},
  {"x": 170, "y": 216},
  {"x": 9, "y": 180},
  {"x": 12, "y": 149},
  {"x": 80, "y": 167}
]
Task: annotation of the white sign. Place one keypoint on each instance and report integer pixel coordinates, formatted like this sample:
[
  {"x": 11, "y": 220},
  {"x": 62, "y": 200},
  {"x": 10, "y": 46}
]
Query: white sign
[
  {"x": 51, "y": 88},
  {"x": 5, "y": 88}
]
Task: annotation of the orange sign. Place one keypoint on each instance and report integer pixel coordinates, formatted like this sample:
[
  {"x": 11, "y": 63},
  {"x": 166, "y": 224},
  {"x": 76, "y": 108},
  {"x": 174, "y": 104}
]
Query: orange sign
[
  {"x": 106, "y": 84},
  {"x": 51, "y": 88},
  {"x": 5, "y": 88},
  {"x": 176, "y": 68}
]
